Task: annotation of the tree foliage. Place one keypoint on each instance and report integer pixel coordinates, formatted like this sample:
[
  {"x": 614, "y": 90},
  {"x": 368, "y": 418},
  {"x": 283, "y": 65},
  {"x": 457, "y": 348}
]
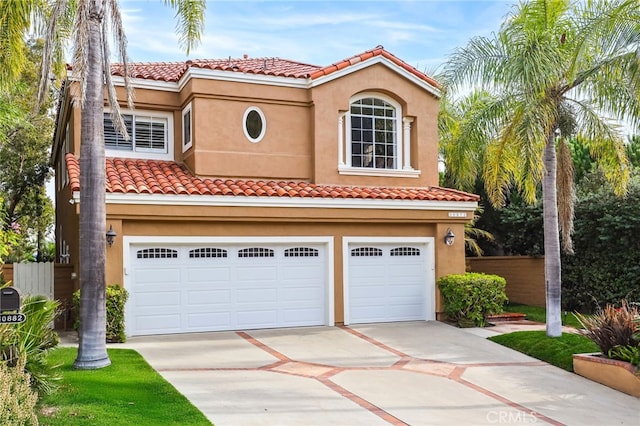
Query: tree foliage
[
  {"x": 556, "y": 69},
  {"x": 25, "y": 139},
  {"x": 606, "y": 266}
]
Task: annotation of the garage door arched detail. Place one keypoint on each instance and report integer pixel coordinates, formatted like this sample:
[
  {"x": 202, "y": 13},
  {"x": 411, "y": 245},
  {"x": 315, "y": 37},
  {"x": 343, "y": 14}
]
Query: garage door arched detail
[
  {"x": 388, "y": 279},
  {"x": 157, "y": 253},
  {"x": 301, "y": 252},
  {"x": 405, "y": 251},
  {"x": 207, "y": 253},
  {"x": 256, "y": 252},
  {"x": 366, "y": 252}
]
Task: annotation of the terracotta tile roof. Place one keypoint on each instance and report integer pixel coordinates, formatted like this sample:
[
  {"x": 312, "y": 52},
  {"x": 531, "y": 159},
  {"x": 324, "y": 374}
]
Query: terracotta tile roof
[
  {"x": 136, "y": 176},
  {"x": 173, "y": 71},
  {"x": 278, "y": 67},
  {"x": 378, "y": 51}
]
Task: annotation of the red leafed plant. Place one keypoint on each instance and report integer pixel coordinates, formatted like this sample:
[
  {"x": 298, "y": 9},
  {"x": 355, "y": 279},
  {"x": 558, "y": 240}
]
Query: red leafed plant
[{"x": 616, "y": 331}]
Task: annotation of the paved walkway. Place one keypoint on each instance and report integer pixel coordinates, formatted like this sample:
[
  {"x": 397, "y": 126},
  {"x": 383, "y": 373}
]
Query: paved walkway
[{"x": 416, "y": 373}]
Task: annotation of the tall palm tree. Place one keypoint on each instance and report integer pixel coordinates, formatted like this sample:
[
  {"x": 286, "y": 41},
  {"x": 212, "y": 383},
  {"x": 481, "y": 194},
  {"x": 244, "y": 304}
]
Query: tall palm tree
[
  {"x": 92, "y": 23},
  {"x": 555, "y": 69}
]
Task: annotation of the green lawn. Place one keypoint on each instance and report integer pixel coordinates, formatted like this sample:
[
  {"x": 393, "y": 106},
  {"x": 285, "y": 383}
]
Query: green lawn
[
  {"x": 535, "y": 313},
  {"x": 128, "y": 392},
  {"x": 557, "y": 351}
]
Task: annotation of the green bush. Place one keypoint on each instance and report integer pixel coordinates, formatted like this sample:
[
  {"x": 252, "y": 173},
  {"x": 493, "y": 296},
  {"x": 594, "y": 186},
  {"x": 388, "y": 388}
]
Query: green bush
[
  {"x": 606, "y": 265},
  {"x": 18, "y": 399},
  {"x": 32, "y": 340},
  {"x": 116, "y": 298},
  {"x": 470, "y": 297}
]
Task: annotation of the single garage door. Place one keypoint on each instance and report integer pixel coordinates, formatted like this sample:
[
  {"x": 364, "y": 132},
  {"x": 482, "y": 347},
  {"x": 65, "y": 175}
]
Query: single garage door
[
  {"x": 181, "y": 289},
  {"x": 388, "y": 282}
]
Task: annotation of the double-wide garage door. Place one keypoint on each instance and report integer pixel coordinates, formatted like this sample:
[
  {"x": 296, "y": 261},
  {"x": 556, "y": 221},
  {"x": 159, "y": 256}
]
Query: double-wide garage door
[
  {"x": 190, "y": 288},
  {"x": 181, "y": 288}
]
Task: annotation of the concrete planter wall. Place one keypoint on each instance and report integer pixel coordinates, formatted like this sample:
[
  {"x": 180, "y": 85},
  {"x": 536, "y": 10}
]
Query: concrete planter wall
[{"x": 616, "y": 374}]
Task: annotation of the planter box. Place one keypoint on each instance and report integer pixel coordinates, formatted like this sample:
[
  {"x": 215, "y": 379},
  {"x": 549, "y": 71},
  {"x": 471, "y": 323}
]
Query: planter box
[{"x": 618, "y": 375}]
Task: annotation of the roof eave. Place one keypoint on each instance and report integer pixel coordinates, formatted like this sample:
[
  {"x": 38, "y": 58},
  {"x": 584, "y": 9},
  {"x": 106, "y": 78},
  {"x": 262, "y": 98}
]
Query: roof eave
[{"x": 379, "y": 59}]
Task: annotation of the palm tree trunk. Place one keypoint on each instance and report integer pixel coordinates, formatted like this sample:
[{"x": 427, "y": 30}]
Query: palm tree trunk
[
  {"x": 92, "y": 350},
  {"x": 552, "y": 267}
]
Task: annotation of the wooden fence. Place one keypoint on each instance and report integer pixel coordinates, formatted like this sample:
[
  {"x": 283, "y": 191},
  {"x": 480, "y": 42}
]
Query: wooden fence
[
  {"x": 48, "y": 279},
  {"x": 524, "y": 275}
]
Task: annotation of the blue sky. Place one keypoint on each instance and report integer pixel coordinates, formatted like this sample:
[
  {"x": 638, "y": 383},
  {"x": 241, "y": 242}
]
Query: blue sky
[{"x": 421, "y": 32}]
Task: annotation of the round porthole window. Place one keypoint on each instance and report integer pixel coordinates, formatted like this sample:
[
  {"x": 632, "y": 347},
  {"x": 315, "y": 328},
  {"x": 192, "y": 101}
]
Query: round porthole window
[{"x": 255, "y": 124}]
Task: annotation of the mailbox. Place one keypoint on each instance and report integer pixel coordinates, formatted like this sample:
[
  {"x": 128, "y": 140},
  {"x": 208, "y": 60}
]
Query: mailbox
[{"x": 9, "y": 300}]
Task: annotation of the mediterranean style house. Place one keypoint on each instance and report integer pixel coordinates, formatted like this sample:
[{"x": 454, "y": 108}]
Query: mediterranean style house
[{"x": 265, "y": 193}]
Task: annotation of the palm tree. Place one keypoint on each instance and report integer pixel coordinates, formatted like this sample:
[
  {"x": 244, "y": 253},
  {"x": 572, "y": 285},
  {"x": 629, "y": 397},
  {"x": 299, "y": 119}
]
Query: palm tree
[
  {"x": 92, "y": 21},
  {"x": 555, "y": 70}
]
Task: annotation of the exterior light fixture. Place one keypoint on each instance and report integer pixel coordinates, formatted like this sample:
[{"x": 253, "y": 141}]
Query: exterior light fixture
[
  {"x": 449, "y": 237},
  {"x": 111, "y": 235}
]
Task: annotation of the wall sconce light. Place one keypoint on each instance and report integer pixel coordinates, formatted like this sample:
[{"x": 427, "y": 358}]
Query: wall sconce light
[
  {"x": 111, "y": 235},
  {"x": 449, "y": 237}
]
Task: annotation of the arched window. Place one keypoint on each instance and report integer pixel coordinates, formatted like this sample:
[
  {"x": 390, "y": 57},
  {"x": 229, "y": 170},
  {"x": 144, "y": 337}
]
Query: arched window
[
  {"x": 374, "y": 134},
  {"x": 374, "y": 138}
]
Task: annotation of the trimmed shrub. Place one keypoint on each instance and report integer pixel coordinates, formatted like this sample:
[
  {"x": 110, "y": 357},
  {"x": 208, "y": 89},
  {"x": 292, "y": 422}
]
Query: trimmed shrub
[
  {"x": 468, "y": 298},
  {"x": 18, "y": 399},
  {"x": 116, "y": 298}
]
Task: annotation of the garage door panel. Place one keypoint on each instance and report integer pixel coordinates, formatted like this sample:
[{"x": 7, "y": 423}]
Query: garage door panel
[
  {"x": 374, "y": 313},
  {"x": 211, "y": 297},
  {"x": 257, "y": 295},
  {"x": 259, "y": 319},
  {"x": 370, "y": 291},
  {"x": 301, "y": 271},
  {"x": 302, "y": 294},
  {"x": 219, "y": 274},
  {"x": 251, "y": 272},
  {"x": 211, "y": 321},
  {"x": 297, "y": 317},
  {"x": 215, "y": 287},
  {"x": 157, "y": 276},
  {"x": 158, "y": 323},
  {"x": 158, "y": 299}
]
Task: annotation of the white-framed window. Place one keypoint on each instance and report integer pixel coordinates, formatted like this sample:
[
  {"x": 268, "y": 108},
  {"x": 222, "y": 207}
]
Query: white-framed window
[
  {"x": 187, "y": 128},
  {"x": 374, "y": 133},
  {"x": 150, "y": 135},
  {"x": 374, "y": 137},
  {"x": 254, "y": 124},
  {"x": 63, "y": 176}
]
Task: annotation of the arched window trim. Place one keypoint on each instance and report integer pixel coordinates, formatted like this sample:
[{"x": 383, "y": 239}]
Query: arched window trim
[{"x": 403, "y": 141}]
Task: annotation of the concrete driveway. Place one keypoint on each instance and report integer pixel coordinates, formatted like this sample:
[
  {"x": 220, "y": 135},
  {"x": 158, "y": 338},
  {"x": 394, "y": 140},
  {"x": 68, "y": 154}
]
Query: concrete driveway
[{"x": 416, "y": 373}]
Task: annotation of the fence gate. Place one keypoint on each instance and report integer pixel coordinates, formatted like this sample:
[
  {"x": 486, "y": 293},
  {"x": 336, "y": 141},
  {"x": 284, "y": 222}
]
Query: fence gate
[{"x": 33, "y": 278}]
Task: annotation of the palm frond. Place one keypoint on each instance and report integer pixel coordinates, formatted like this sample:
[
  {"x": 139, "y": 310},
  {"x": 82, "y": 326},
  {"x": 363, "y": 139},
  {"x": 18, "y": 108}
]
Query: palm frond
[
  {"x": 14, "y": 22},
  {"x": 190, "y": 14},
  {"x": 80, "y": 42},
  {"x": 51, "y": 46}
]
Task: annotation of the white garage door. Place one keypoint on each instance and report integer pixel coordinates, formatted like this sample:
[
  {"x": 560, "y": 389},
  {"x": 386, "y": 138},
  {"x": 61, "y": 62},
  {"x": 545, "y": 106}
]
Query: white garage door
[
  {"x": 388, "y": 282},
  {"x": 178, "y": 289}
]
